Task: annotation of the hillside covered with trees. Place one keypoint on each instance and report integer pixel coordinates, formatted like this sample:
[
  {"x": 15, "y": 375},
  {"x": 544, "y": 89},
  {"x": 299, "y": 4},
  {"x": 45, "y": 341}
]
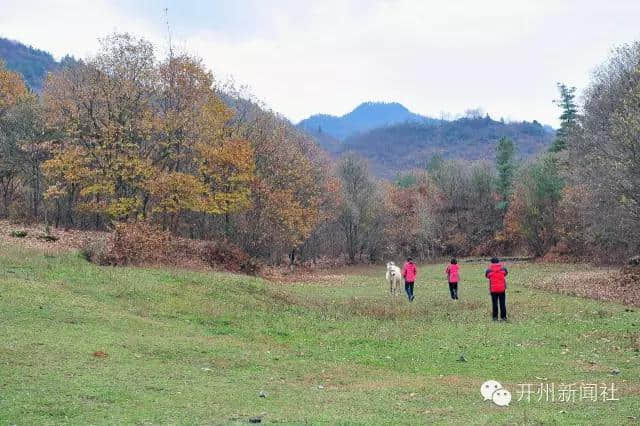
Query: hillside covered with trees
[
  {"x": 152, "y": 148},
  {"x": 400, "y": 147},
  {"x": 32, "y": 64},
  {"x": 395, "y": 140}
]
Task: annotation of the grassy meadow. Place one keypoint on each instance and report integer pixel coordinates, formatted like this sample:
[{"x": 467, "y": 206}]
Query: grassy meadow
[{"x": 83, "y": 344}]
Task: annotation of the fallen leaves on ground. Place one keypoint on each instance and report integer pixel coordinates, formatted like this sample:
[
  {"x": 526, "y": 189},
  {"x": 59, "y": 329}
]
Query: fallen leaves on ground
[
  {"x": 600, "y": 284},
  {"x": 68, "y": 240}
]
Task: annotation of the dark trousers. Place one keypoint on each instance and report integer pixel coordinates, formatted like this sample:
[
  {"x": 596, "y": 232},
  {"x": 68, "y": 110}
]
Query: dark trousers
[
  {"x": 453, "y": 289},
  {"x": 408, "y": 287},
  {"x": 499, "y": 298}
]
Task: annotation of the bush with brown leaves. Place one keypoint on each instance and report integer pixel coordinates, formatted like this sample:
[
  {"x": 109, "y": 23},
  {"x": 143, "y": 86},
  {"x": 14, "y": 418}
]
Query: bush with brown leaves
[
  {"x": 97, "y": 250},
  {"x": 144, "y": 244},
  {"x": 139, "y": 244},
  {"x": 230, "y": 256}
]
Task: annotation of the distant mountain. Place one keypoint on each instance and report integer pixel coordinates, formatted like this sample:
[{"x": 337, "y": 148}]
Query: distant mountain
[
  {"x": 393, "y": 149},
  {"x": 33, "y": 64},
  {"x": 366, "y": 116}
]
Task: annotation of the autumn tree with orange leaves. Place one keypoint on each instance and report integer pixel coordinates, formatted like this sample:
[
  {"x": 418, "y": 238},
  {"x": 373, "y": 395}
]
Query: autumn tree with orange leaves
[
  {"x": 142, "y": 138},
  {"x": 23, "y": 146},
  {"x": 292, "y": 191},
  {"x": 412, "y": 210},
  {"x": 12, "y": 90}
]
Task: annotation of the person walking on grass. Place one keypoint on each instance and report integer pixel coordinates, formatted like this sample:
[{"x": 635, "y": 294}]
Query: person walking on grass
[
  {"x": 496, "y": 273},
  {"x": 409, "y": 272},
  {"x": 453, "y": 276}
]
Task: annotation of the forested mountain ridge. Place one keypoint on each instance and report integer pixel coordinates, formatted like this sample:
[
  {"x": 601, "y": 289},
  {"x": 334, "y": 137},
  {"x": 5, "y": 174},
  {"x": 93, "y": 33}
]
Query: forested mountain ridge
[
  {"x": 403, "y": 146},
  {"x": 366, "y": 116},
  {"x": 33, "y": 64}
]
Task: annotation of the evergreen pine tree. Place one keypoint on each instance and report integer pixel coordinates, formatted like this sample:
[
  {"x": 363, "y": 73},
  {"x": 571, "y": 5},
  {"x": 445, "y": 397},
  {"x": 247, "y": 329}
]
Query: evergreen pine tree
[
  {"x": 567, "y": 118},
  {"x": 505, "y": 162}
]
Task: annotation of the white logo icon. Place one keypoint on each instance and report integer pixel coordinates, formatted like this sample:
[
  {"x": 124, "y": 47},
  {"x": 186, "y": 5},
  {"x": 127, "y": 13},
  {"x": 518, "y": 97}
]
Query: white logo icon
[
  {"x": 501, "y": 397},
  {"x": 493, "y": 391},
  {"x": 488, "y": 388}
]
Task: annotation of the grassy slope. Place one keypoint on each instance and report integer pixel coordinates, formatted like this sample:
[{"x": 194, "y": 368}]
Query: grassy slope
[{"x": 195, "y": 348}]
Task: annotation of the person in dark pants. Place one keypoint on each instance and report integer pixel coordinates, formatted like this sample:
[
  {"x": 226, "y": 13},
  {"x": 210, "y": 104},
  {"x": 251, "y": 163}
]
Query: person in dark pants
[
  {"x": 453, "y": 276},
  {"x": 409, "y": 272},
  {"x": 496, "y": 273}
]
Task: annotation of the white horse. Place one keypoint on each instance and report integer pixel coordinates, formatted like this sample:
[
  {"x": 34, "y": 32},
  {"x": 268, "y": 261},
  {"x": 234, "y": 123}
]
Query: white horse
[{"x": 394, "y": 278}]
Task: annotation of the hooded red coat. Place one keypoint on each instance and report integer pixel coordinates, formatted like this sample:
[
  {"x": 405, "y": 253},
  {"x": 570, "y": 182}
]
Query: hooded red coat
[{"x": 497, "y": 281}]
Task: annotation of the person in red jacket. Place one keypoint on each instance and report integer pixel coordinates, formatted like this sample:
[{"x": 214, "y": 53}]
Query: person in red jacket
[
  {"x": 496, "y": 273},
  {"x": 453, "y": 276},
  {"x": 409, "y": 272}
]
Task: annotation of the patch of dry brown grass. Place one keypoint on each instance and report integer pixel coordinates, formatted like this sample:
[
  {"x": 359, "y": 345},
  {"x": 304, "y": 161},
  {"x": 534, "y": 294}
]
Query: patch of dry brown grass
[{"x": 600, "y": 284}]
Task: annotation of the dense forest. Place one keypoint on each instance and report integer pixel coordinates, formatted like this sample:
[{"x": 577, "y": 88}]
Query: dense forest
[{"x": 126, "y": 139}]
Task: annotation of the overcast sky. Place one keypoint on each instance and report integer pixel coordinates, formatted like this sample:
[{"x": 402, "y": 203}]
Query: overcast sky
[{"x": 303, "y": 57}]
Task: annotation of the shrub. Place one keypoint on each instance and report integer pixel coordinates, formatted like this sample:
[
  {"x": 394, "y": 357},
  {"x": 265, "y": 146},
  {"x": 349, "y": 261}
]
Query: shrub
[
  {"x": 97, "y": 251},
  {"x": 140, "y": 243},
  {"x": 19, "y": 234},
  {"x": 229, "y": 256},
  {"x": 144, "y": 244},
  {"x": 251, "y": 266}
]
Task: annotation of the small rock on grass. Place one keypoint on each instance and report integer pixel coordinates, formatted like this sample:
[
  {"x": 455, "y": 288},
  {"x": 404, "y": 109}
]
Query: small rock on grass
[
  {"x": 262, "y": 394},
  {"x": 615, "y": 371},
  {"x": 462, "y": 358},
  {"x": 257, "y": 419}
]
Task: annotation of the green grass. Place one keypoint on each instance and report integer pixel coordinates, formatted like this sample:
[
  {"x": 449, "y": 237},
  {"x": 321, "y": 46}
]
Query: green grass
[{"x": 197, "y": 348}]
